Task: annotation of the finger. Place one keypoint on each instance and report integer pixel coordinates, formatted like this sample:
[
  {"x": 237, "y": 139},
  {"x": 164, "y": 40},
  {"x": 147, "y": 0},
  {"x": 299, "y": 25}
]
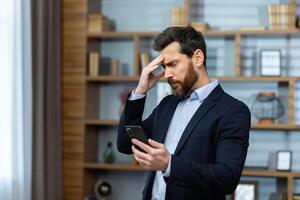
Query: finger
[
  {"x": 159, "y": 57},
  {"x": 154, "y": 63},
  {"x": 141, "y": 162},
  {"x": 142, "y": 145},
  {"x": 155, "y": 144},
  {"x": 140, "y": 154}
]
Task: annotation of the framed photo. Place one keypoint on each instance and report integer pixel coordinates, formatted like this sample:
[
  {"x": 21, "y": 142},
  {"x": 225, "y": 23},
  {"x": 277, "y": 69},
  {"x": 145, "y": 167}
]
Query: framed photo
[
  {"x": 270, "y": 62},
  {"x": 246, "y": 190},
  {"x": 284, "y": 160}
]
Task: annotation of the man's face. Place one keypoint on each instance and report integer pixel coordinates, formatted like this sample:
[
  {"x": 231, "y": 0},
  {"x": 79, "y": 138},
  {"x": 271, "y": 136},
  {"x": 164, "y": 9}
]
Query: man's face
[{"x": 179, "y": 70}]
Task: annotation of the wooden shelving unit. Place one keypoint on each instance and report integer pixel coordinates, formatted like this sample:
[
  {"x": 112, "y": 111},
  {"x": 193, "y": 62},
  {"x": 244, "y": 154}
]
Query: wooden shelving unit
[
  {"x": 246, "y": 172},
  {"x": 98, "y": 122},
  {"x": 115, "y": 166},
  {"x": 80, "y": 127},
  {"x": 222, "y": 33},
  {"x": 270, "y": 173},
  {"x": 101, "y": 122},
  {"x": 233, "y": 79},
  {"x": 112, "y": 78}
]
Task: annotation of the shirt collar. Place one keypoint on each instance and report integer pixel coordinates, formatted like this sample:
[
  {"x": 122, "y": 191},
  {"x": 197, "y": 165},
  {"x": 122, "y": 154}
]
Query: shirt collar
[{"x": 201, "y": 93}]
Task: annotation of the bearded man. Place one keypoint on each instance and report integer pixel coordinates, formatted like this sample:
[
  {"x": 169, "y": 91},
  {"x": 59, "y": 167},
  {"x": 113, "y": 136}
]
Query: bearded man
[{"x": 198, "y": 135}]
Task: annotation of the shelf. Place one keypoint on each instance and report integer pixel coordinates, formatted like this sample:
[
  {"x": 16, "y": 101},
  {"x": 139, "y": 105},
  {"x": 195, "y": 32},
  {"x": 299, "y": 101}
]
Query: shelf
[
  {"x": 232, "y": 33},
  {"x": 97, "y": 122},
  {"x": 108, "y": 78},
  {"x": 120, "y": 35},
  {"x": 271, "y": 32},
  {"x": 115, "y": 166},
  {"x": 246, "y": 172},
  {"x": 112, "y": 78},
  {"x": 257, "y": 79},
  {"x": 270, "y": 173},
  {"x": 275, "y": 127},
  {"x": 112, "y": 35}
]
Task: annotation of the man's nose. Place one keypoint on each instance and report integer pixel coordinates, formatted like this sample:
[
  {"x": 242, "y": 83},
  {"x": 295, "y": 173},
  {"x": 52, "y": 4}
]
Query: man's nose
[{"x": 168, "y": 73}]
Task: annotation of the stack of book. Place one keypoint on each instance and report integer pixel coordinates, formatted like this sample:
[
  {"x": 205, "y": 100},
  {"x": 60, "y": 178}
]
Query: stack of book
[
  {"x": 99, "y": 23},
  {"x": 93, "y": 64},
  {"x": 282, "y": 16},
  {"x": 180, "y": 16},
  {"x": 200, "y": 26}
]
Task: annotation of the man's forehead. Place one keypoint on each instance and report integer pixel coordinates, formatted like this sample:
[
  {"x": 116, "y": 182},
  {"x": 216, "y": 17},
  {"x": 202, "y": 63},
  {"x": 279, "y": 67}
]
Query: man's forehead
[{"x": 171, "y": 52}]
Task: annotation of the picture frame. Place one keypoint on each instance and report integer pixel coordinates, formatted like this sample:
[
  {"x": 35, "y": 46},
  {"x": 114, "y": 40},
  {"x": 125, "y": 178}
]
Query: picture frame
[
  {"x": 284, "y": 160},
  {"x": 246, "y": 190},
  {"x": 270, "y": 62}
]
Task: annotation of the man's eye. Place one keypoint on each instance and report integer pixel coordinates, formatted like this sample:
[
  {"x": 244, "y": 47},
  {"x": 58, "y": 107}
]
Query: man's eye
[{"x": 174, "y": 63}]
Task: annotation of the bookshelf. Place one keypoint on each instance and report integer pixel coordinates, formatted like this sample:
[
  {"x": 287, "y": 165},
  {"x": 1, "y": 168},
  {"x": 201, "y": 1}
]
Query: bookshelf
[{"x": 80, "y": 98}]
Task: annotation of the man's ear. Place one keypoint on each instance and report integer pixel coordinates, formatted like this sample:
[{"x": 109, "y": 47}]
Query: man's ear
[{"x": 198, "y": 58}]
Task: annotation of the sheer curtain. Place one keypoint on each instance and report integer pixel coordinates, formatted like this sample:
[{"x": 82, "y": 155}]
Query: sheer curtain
[{"x": 15, "y": 100}]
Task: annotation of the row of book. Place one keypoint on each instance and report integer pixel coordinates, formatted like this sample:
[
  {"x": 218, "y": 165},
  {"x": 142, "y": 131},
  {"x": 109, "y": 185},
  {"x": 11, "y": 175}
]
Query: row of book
[
  {"x": 105, "y": 66},
  {"x": 99, "y": 23},
  {"x": 282, "y": 16},
  {"x": 111, "y": 66}
]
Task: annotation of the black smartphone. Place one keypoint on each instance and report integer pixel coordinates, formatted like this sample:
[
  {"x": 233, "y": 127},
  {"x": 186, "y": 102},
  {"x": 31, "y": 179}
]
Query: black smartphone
[{"x": 137, "y": 132}]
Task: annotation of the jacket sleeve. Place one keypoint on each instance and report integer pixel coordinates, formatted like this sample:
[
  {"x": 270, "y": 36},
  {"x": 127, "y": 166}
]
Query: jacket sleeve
[
  {"x": 132, "y": 115},
  {"x": 231, "y": 148}
]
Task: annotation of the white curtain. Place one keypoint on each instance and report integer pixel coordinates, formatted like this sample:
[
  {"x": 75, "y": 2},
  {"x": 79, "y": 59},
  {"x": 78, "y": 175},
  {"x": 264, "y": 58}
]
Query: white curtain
[{"x": 15, "y": 100}]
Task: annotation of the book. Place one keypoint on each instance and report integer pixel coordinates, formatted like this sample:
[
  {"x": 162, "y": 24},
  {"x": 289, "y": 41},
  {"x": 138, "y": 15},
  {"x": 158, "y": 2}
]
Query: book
[
  {"x": 99, "y": 23},
  {"x": 179, "y": 16},
  {"x": 114, "y": 67},
  {"x": 282, "y": 16},
  {"x": 105, "y": 66},
  {"x": 144, "y": 59},
  {"x": 93, "y": 64}
]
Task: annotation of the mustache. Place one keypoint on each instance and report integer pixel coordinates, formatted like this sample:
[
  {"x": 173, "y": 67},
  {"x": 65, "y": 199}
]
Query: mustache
[{"x": 172, "y": 81}]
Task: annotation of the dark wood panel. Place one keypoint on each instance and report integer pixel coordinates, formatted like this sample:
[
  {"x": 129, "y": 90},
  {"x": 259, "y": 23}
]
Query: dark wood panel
[{"x": 73, "y": 96}]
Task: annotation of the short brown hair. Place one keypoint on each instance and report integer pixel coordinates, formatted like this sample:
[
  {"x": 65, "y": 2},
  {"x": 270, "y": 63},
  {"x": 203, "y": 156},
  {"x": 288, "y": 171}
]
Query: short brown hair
[{"x": 188, "y": 38}]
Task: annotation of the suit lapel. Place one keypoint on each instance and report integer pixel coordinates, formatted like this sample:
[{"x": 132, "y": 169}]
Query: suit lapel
[
  {"x": 166, "y": 119},
  {"x": 207, "y": 104}
]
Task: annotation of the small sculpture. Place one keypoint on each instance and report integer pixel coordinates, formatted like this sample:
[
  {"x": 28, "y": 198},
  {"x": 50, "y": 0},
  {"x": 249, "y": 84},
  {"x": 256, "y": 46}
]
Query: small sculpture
[{"x": 109, "y": 154}]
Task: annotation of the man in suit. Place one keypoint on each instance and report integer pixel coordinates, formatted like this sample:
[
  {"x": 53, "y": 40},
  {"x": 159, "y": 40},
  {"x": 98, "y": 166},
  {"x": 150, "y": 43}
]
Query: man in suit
[{"x": 199, "y": 134}]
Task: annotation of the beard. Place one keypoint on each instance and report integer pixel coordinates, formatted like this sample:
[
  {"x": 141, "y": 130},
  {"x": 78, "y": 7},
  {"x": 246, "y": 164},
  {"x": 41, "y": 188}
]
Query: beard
[{"x": 180, "y": 88}]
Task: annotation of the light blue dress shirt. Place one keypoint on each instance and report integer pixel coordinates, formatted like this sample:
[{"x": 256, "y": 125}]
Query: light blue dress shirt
[{"x": 183, "y": 114}]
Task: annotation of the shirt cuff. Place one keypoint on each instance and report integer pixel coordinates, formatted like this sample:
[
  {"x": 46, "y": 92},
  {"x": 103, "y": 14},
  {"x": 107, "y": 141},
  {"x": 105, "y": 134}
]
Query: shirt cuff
[
  {"x": 168, "y": 170},
  {"x": 135, "y": 96}
]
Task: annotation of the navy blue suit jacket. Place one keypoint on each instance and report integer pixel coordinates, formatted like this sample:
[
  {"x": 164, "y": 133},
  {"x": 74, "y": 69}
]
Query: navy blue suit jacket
[{"x": 210, "y": 155}]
